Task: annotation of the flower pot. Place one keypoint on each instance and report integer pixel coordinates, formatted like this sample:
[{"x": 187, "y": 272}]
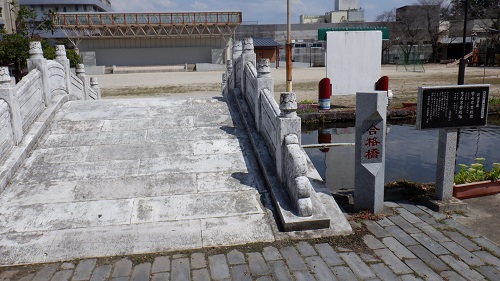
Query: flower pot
[{"x": 476, "y": 189}]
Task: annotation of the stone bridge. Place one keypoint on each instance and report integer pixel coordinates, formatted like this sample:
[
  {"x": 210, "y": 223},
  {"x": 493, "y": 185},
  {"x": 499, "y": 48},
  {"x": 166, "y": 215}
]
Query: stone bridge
[{"x": 82, "y": 177}]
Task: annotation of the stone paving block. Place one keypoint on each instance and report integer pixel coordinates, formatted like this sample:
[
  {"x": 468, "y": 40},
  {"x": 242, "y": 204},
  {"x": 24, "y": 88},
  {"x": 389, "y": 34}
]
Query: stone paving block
[
  {"x": 235, "y": 257},
  {"x": 161, "y": 264},
  {"x": 460, "y": 228},
  {"x": 328, "y": 254},
  {"x": 412, "y": 208},
  {"x": 28, "y": 277},
  {"x": 436, "y": 215},
  {"x": 429, "y": 258},
  {"x": 385, "y": 222},
  {"x": 489, "y": 272},
  {"x": 357, "y": 265},
  {"x": 404, "y": 224},
  {"x": 241, "y": 272},
  {"x": 343, "y": 249},
  {"x": 320, "y": 268},
  {"x": 372, "y": 242},
  {"x": 409, "y": 277},
  {"x": 397, "y": 248},
  {"x": 393, "y": 262},
  {"x": 452, "y": 275},
  {"x": 84, "y": 269},
  {"x": 198, "y": 260},
  {"x": 218, "y": 267},
  {"x": 430, "y": 244},
  {"x": 280, "y": 270},
  {"x": 390, "y": 204},
  {"x": 376, "y": 229},
  {"x": 257, "y": 264},
  {"x": 383, "y": 272},
  {"x": 411, "y": 218},
  {"x": 122, "y": 267},
  {"x": 293, "y": 259},
  {"x": 432, "y": 232},
  {"x": 464, "y": 255},
  {"x": 161, "y": 276},
  {"x": 368, "y": 258},
  {"x": 101, "y": 273},
  {"x": 63, "y": 275},
  {"x": 488, "y": 245},
  {"x": 46, "y": 272},
  {"x": 141, "y": 272},
  {"x": 462, "y": 268},
  {"x": 429, "y": 219},
  {"x": 270, "y": 253},
  {"x": 200, "y": 275},
  {"x": 488, "y": 258},
  {"x": 344, "y": 273},
  {"x": 67, "y": 265},
  {"x": 180, "y": 270},
  {"x": 265, "y": 278},
  {"x": 305, "y": 249},
  {"x": 303, "y": 276},
  {"x": 462, "y": 241},
  {"x": 7, "y": 274},
  {"x": 403, "y": 237},
  {"x": 422, "y": 270}
]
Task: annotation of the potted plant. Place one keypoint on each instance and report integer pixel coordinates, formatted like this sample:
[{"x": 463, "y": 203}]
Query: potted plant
[{"x": 475, "y": 181}]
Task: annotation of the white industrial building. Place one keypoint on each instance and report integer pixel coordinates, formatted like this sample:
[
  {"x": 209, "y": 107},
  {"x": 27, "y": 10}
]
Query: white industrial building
[{"x": 345, "y": 11}]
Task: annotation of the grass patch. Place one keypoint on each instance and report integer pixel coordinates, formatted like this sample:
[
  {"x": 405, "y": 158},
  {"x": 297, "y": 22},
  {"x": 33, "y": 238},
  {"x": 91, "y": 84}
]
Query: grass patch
[{"x": 494, "y": 101}]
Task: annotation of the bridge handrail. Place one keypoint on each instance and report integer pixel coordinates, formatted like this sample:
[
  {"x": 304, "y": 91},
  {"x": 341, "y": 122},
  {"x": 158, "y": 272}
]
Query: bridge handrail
[{"x": 146, "y": 19}]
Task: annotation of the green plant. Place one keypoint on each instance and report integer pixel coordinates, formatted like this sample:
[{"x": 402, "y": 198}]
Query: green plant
[
  {"x": 307, "y": 102},
  {"x": 494, "y": 101},
  {"x": 476, "y": 172},
  {"x": 305, "y": 108}
]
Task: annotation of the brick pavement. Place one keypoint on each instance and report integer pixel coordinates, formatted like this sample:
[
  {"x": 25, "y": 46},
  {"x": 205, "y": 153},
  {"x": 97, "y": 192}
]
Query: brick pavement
[{"x": 414, "y": 243}]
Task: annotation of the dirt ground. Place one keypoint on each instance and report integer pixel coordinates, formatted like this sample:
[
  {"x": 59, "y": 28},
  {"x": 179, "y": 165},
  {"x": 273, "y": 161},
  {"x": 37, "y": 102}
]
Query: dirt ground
[{"x": 305, "y": 82}]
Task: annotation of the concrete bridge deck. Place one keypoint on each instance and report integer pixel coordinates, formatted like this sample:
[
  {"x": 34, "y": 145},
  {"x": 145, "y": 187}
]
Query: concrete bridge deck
[{"x": 116, "y": 177}]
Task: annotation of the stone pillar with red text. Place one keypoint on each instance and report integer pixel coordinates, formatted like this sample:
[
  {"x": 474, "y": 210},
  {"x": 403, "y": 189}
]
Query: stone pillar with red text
[{"x": 371, "y": 109}]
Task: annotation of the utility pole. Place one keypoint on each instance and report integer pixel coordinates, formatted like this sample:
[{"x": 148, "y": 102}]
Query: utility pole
[
  {"x": 288, "y": 48},
  {"x": 463, "y": 61}
]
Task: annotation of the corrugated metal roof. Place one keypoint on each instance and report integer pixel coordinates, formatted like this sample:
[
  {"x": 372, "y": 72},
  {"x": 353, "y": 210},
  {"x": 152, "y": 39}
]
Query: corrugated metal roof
[{"x": 265, "y": 42}]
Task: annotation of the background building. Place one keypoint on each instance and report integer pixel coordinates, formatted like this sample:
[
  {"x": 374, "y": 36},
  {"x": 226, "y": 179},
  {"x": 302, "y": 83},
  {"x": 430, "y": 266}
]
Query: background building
[
  {"x": 42, "y": 7},
  {"x": 345, "y": 11},
  {"x": 8, "y": 16}
]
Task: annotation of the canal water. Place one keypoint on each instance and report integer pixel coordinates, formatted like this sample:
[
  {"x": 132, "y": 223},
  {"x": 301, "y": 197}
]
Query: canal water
[{"x": 411, "y": 154}]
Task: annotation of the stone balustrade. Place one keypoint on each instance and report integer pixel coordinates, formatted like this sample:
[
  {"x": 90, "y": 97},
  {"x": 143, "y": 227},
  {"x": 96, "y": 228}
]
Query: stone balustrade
[
  {"x": 279, "y": 125},
  {"x": 49, "y": 82}
]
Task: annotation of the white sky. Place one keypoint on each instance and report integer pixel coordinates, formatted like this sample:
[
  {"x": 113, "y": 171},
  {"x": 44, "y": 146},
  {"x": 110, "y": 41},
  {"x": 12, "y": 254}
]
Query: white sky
[{"x": 261, "y": 11}]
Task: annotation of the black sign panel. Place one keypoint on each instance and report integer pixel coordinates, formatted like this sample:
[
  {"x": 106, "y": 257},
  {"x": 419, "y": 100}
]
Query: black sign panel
[{"x": 451, "y": 107}]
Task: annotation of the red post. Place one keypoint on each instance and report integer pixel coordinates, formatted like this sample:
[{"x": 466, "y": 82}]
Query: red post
[{"x": 324, "y": 93}]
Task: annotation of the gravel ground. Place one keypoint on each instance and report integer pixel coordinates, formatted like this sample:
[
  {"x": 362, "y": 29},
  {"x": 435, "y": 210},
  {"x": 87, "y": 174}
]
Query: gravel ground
[{"x": 404, "y": 84}]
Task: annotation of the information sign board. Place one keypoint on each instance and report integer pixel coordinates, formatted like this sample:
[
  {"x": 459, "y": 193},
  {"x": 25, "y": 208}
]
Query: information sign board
[{"x": 452, "y": 106}]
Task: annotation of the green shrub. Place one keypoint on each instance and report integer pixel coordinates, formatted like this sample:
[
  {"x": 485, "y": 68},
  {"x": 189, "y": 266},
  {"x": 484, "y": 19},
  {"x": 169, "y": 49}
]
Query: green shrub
[{"x": 476, "y": 172}]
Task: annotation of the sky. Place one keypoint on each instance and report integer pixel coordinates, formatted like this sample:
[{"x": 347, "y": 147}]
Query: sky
[{"x": 256, "y": 11}]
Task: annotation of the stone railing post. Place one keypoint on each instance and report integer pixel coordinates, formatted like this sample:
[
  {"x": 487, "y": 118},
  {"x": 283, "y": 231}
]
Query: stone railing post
[
  {"x": 37, "y": 61},
  {"x": 264, "y": 81},
  {"x": 238, "y": 66},
  {"x": 7, "y": 92},
  {"x": 94, "y": 85},
  {"x": 224, "y": 83},
  {"x": 288, "y": 123},
  {"x": 80, "y": 73},
  {"x": 229, "y": 75},
  {"x": 248, "y": 56},
  {"x": 62, "y": 59}
]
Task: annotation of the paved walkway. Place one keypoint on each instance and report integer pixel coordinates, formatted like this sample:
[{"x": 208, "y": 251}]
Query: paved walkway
[
  {"x": 413, "y": 243},
  {"x": 115, "y": 177}
]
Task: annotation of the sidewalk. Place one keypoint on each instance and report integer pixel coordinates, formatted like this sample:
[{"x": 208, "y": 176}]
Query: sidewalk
[{"x": 411, "y": 243}]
